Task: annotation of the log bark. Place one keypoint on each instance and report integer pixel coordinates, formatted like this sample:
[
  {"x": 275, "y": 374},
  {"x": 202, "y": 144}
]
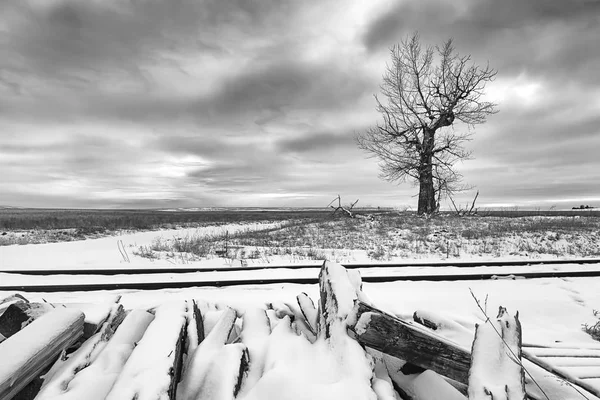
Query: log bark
[
  {"x": 25, "y": 354},
  {"x": 395, "y": 337}
]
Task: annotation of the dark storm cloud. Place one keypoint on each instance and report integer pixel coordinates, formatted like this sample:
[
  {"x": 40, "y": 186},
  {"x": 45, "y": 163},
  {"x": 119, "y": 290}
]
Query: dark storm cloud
[
  {"x": 556, "y": 38},
  {"x": 70, "y": 37},
  {"x": 181, "y": 102}
]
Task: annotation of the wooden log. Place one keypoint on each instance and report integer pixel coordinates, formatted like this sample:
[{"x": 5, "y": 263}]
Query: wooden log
[
  {"x": 338, "y": 292},
  {"x": 256, "y": 330},
  {"x": 337, "y": 295},
  {"x": 199, "y": 364},
  {"x": 18, "y": 315},
  {"x": 561, "y": 373},
  {"x": 310, "y": 313},
  {"x": 151, "y": 372},
  {"x": 195, "y": 328},
  {"x": 388, "y": 334},
  {"x": 25, "y": 354},
  {"x": 496, "y": 370},
  {"x": 58, "y": 378},
  {"x": 300, "y": 325},
  {"x": 409, "y": 342},
  {"x": 95, "y": 381}
]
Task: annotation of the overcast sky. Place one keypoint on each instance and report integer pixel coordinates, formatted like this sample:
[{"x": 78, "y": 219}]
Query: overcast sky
[{"x": 192, "y": 103}]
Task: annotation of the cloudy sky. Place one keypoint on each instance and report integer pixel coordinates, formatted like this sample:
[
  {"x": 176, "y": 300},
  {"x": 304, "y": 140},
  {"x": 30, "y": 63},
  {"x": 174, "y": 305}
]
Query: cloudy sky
[{"x": 191, "y": 103}]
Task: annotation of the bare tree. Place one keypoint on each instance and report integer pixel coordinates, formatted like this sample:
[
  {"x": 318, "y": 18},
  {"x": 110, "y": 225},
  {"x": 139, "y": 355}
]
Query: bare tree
[{"x": 426, "y": 90}]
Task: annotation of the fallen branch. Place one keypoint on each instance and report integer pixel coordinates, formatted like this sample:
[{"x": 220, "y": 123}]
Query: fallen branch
[{"x": 347, "y": 211}]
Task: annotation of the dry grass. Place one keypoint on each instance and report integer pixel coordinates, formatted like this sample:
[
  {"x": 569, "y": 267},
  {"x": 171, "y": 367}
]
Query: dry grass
[{"x": 593, "y": 330}]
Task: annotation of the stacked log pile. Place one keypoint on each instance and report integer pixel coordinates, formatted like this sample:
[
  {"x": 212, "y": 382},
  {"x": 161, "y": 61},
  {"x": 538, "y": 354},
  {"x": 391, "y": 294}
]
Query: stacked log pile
[{"x": 188, "y": 350}]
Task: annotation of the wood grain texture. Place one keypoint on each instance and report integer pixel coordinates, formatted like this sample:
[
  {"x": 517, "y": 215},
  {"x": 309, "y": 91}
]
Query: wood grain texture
[{"x": 414, "y": 344}]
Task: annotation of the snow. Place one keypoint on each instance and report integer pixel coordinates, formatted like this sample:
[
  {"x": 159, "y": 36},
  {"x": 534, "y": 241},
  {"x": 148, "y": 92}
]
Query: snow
[
  {"x": 26, "y": 344},
  {"x": 95, "y": 381},
  {"x": 284, "y": 364},
  {"x": 496, "y": 360},
  {"x": 104, "y": 251},
  {"x": 205, "y": 358},
  {"x": 146, "y": 374}
]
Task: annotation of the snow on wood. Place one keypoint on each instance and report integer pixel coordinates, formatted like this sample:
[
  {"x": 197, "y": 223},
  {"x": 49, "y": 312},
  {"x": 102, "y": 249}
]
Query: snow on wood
[
  {"x": 151, "y": 372},
  {"x": 205, "y": 358},
  {"x": 210, "y": 319},
  {"x": 496, "y": 371},
  {"x": 300, "y": 325},
  {"x": 223, "y": 377},
  {"x": 409, "y": 342},
  {"x": 567, "y": 378},
  {"x": 311, "y": 315},
  {"x": 281, "y": 309},
  {"x": 562, "y": 352},
  {"x": 273, "y": 320},
  {"x": 57, "y": 379},
  {"x": 25, "y": 354},
  {"x": 95, "y": 381},
  {"x": 18, "y": 314},
  {"x": 338, "y": 293},
  {"x": 413, "y": 382},
  {"x": 195, "y": 328},
  {"x": 382, "y": 383},
  {"x": 553, "y": 387},
  {"x": 572, "y": 361},
  {"x": 445, "y": 326},
  {"x": 255, "y": 334},
  {"x": 295, "y": 369}
]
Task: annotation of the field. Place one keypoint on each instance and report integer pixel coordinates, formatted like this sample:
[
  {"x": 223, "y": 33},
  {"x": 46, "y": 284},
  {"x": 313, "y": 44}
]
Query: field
[
  {"x": 72, "y": 240},
  {"x": 295, "y": 234}
]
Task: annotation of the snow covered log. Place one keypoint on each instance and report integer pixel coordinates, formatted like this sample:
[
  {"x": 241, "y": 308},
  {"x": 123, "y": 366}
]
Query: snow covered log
[
  {"x": 58, "y": 378},
  {"x": 310, "y": 313},
  {"x": 215, "y": 370},
  {"x": 337, "y": 294},
  {"x": 338, "y": 291},
  {"x": 18, "y": 314},
  {"x": 152, "y": 370},
  {"x": 25, "y": 354},
  {"x": 413, "y": 343},
  {"x": 496, "y": 371},
  {"x": 255, "y": 335},
  {"x": 95, "y": 381}
]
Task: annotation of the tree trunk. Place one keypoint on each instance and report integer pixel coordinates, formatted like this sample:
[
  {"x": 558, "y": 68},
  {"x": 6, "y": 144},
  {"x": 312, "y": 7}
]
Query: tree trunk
[{"x": 427, "y": 203}]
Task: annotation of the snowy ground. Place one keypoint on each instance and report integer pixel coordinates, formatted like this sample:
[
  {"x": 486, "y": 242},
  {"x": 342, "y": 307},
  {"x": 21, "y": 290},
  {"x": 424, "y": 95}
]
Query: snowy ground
[{"x": 552, "y": 311}]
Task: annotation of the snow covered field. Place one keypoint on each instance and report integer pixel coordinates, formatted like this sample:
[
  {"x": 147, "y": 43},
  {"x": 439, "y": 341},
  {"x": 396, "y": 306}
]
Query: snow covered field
[{"x": 552, "y": 311}]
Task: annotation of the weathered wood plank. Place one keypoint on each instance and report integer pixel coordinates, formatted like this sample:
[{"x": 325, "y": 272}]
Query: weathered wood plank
[
  {"x": 561, "y": 373},
  {"x": 374, "y": 328},
  {"x": 409, "y": 342},
  {"x": 25, "y": 354}
]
